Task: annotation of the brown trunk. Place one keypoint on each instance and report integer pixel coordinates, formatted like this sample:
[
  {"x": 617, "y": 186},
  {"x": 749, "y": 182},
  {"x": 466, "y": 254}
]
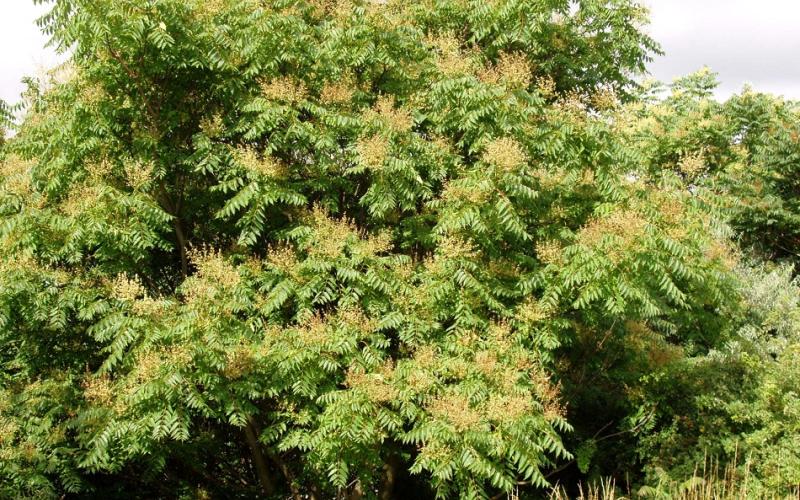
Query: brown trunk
[
  {"x": 259, "y": 462},
  {"x": 357, "y": 493},
  {"x": 390, "y": 471},
  {"x": 174, "y": 210},
  {"x": 181, "y": 246},
  {"x": 314, "y": 492}
]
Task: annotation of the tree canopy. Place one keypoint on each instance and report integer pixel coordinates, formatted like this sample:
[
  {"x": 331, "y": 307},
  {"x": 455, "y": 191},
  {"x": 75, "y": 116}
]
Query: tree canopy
[{"x": 337, "y": 248}]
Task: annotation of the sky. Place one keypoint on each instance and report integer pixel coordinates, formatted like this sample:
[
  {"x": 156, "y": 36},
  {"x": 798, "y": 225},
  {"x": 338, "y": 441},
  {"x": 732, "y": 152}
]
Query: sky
[
  {"x": 22, "y": 49},
  {"x": 742, "y": 40}
]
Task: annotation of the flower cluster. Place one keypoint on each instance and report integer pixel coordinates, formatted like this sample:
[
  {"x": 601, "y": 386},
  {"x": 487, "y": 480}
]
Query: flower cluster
[
  {"x": 550, "y": 252},
  {"x": 456, "y": 409},
  {"x": 372, "y": 151},
  {"x": 450, "y": 59},
  {"x": 624, "y": 227},
  {"x": 513, "y": 70},
  {"x": 284, "y": 88},
  {"x": 692, "y": 164},
  {"x": 15, "y": 175},
  {"x": 338, "y": 92},
  {"x": 138, "y": 174},
  {"x": 376, "y": 386},
  {"x": 396, "y": 119},
  {"x": 505, "y": 153},
  {"x": 267, "y": 166}
]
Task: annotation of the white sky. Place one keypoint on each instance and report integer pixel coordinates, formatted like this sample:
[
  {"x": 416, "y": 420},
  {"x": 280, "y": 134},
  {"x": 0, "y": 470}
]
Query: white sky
[
  {"x": 742, "y": 40},
  {"x": 22, "y": 49}
]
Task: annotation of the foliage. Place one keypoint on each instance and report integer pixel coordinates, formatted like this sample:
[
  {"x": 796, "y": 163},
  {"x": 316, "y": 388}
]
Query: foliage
[
  {"x": 743, "y": 404},
  {"x": 709, "y": 398},
  {"x": 706, "y": 484},
  {"x": 5, "y": 120},
  {"x": 745, "y": 149},
  {"x": 316, "y": 248},
  {"x": 767, "y": 216}
]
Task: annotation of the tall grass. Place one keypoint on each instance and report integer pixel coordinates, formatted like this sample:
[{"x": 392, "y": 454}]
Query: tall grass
[{"x": 706, "y": 484}]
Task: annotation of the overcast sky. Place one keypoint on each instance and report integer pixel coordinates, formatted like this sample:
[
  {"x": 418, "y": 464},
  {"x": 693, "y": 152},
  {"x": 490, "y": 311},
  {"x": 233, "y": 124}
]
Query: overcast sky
[
  {"x": 742, "y": 40},
  {"x": 22, "y": 49}
]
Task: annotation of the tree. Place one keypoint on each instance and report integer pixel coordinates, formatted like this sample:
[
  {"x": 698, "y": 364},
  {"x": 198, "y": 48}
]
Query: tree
[
  {"x": 720, "y": 404},
  {"x": 736, "y": 407},
  {"x": 768, "y": 131},
  {"x": 5, "y": 120},
  {"x": 745, "y": 150},
  {"x": 339, "y": 242}
]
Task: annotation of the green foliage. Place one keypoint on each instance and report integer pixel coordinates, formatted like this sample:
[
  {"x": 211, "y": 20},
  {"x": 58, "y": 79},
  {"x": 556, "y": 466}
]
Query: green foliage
[
  {"x": 336, "y": 248},
  {"x": 743, "y": 404},
  {"x": 765, "y": 182},
  {"x": 5, "y": 120},
  {"x": 745, "y": 150}
]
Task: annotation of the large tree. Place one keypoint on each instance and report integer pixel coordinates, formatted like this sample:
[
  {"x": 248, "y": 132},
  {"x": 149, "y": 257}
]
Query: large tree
[{"x": 313, "y": 247}]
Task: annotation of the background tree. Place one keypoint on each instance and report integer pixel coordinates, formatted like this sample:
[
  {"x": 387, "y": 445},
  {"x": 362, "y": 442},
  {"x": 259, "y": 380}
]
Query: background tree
[{"x": 5, "y": 120}]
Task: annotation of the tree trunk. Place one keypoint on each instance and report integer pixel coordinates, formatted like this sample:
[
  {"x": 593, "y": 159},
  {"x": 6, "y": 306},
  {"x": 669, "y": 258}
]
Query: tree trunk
[
  {"x": 356, "y": 493},
  {"x": 181, "y": 237},
  {"x": 390, "y": 470},
  {"x": 259, "y": 462}
]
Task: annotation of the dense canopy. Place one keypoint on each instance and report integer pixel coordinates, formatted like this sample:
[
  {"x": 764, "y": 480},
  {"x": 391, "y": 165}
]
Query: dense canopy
[{"x": 350, "y": 248}]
